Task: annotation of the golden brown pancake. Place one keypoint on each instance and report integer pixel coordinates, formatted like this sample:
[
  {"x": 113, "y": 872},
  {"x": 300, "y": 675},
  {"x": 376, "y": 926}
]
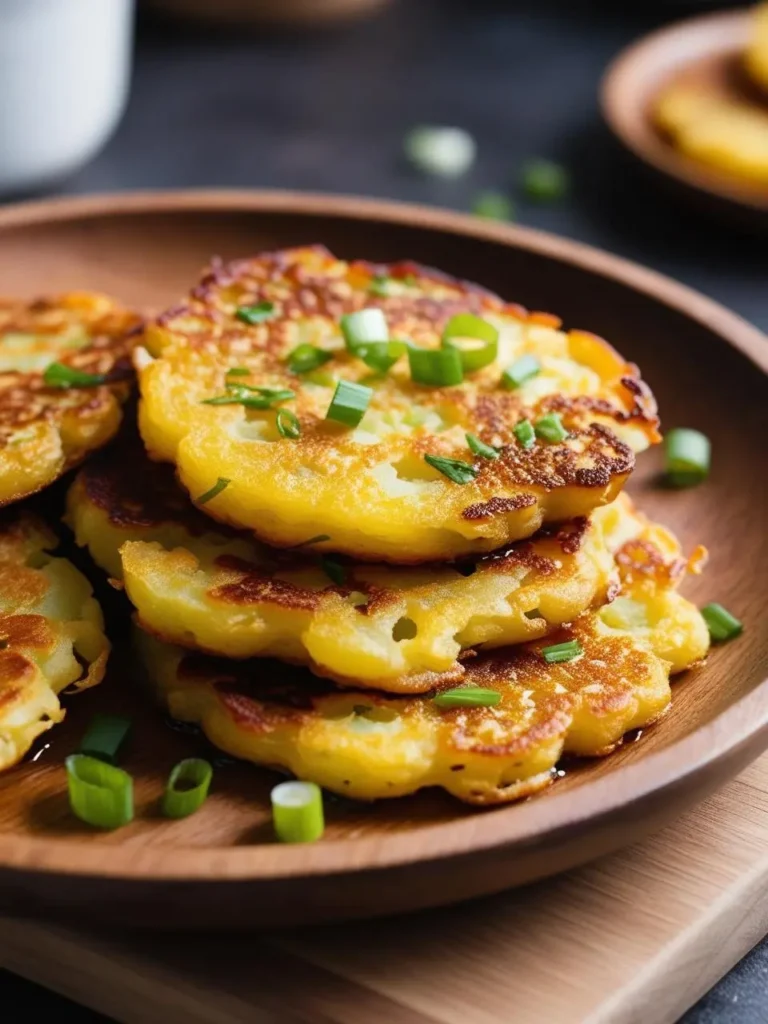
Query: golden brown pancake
[
  {"x": 369, "y": 489},
  {"x": 45, "y": 430}
]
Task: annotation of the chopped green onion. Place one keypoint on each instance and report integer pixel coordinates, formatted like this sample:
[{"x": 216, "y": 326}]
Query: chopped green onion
[
  {"x": 313, "y": 540},
  {"x": 557, "y": 653},
  {"x": 57, "y": 375},
  {"x": 456, "y": 470},
  {"x": 436, "y": 367},
  {"x": 480, "y": 448},
  {"x": 410, "y": 281},
  {"x": 381, "y": 356},
  {"x": 288, "y": 425},
  {"x": 187, "y": 787},
  {"x": 379, "y": 285},
  {"x": 305, "y": 358},
  {"x": 297, "y": 812},
  {"x": 104, "y": 737},
  {"x": 493, "y": 206},
  {"x": 251, "y": 396},
  {"x": 550, "y": 428},
  {"x": 349, "y": 403},
  {"x": 686, "y": 457},
  {"x": 720, "y": 623},
  {"x": 520, "y": 371},
  {"x": 99, "y": 793},
  {"x": 467, "y": 697},
  {"x": 364, "y": 326},
  {"x": 256, "y": 314},
  {"x": 525, "y": 433},
  {"x": 333, "y": 569},
  {"x": 446, "y": 152},
  {"x": 544, "y": 181},
  {"x": 476, "y": 340},
  {"x": 217, "y": 488},
  {"x": 238, "y": 371}
]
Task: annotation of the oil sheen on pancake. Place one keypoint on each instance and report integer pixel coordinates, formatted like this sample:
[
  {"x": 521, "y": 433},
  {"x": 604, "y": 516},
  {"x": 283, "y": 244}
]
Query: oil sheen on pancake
[
  {"x": 403, "y": 629},
  {"x": 51, "y": 634},
  {"x": 46, "y": 430},
  {"x": 368, "y": 490}
]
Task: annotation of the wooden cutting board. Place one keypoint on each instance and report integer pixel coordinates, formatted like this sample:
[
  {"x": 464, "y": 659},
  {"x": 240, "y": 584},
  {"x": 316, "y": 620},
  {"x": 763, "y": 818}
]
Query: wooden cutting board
[{"x": 636, "y": 937}]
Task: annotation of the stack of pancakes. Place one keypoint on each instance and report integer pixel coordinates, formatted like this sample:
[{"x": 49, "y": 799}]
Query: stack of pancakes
[{"x": 309, "y": 597}]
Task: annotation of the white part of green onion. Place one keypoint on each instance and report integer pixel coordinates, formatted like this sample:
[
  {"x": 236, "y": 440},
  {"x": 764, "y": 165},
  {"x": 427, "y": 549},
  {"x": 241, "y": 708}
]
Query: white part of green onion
[
  {"x": 445, "y": 152},
  {"x": 297, "y": 812}
]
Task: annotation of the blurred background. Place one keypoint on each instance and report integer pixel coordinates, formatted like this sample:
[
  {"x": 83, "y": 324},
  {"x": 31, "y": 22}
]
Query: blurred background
[{"x": 323, "y": 95}]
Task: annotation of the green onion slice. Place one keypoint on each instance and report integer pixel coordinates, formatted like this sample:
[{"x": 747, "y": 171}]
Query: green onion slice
[
  {"x": 57, "y": 375},
  {"x": 217, "y": 488},
  {"x": 381, "y": 356},
  {"x": 333, "y": 569},
  {"x": 256, "y": 314},
  {"x": 493, "y": 206},
  {"x": 306, "y": 358},
  {"x": 288, "y": 425},
  {"x": 686, "y": 457},
  {"x": 251, "y": 396},
  {"x": 364, "y": 326},
  {"x": 467, "y": 697},
  {"x": 720, "y": 623},
  {"x": 238, "y": 371},
  {"x": 525, "y": 433},
  {"x": 187, "y": 787},
  {"x": 99, "y": 793},
  {"x": 520, "y": 371},
  {"x": 456, "y": 470},
  {"x": 349, "y": 403},
  {"x": 105, "y": 736},
  {"x": 435, "y": 367},
  {"x": 313, "y": 540},
  {"x": 557, "y": 653},
  {"x": 476, "y": 340},
  {"x": 550, "y": 428},
  {"x": 544, "y": 180},
  {"x": 297, "y": 812},
  {"x": 480, "y": 448},
  {"x": 445, "y": 152},
  {"x": 379, "y": 285}
]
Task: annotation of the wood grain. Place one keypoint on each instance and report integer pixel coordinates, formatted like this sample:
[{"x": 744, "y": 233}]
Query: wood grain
[
  {"x": 705, "y": 51},
  {"x": 634, "y": 938},
  {"x": 221, "y": 867}
]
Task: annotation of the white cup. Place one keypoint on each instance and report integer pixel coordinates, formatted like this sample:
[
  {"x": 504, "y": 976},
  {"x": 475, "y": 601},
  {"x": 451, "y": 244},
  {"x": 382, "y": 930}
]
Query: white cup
[{"x": 64, "y": 78}]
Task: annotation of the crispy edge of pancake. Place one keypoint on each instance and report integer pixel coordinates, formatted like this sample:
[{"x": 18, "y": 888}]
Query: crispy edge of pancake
[{"x": 51, "y": 634}]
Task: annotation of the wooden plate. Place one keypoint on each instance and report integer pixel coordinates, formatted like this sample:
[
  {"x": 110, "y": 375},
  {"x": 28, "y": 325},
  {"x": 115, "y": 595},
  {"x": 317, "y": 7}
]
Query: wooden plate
[
  {"x": 705, "y": 51},
  {"x": 220, "y": 867}
]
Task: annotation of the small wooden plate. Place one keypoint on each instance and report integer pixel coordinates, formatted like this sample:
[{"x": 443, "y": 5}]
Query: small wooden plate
[
  {"x": 707, "y": 51},
  {"x": 220, "y": 867}
]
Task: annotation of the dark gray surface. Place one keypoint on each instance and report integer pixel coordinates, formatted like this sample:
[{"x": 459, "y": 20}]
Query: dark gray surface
[{"x": 328, "y": 112}]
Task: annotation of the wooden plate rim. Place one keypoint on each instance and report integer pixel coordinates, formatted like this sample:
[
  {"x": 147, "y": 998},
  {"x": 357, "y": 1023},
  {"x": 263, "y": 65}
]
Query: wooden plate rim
[
  {"x": 728, "y": 26},
  {"x": 743, "y": 723}
]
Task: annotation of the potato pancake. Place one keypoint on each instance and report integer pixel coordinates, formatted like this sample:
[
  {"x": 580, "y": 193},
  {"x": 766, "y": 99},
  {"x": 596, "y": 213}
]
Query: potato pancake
[
  {"x": 237, "y": 382},
  {"x": 756, "y": 55},
  {"x": 368, "y": 745},
  {"x": 727, "y": 134},
  {"x": 402, "y": 629},
  {"x": 51, "y": 634},
  {"x": 46, "y": 428}
]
